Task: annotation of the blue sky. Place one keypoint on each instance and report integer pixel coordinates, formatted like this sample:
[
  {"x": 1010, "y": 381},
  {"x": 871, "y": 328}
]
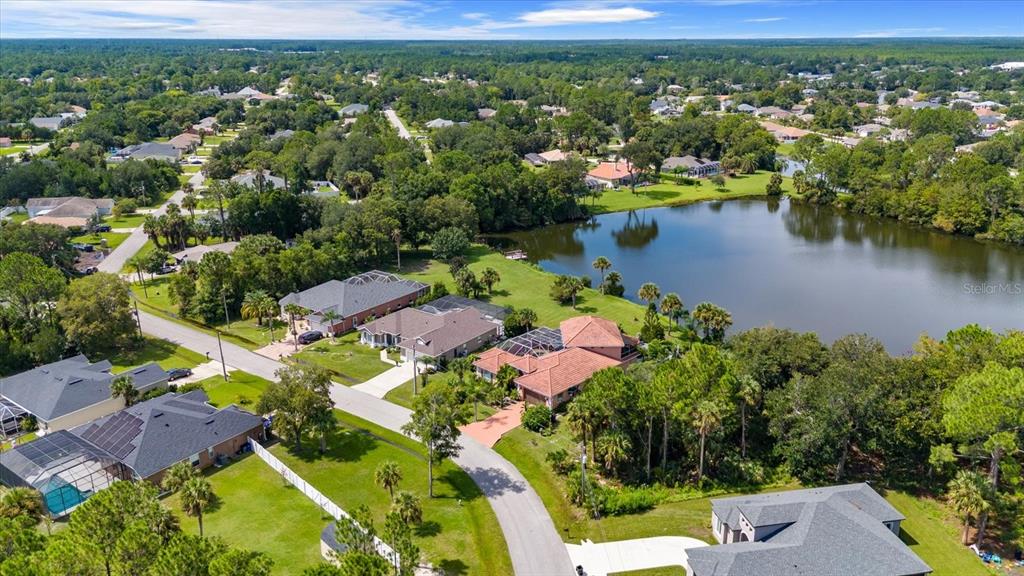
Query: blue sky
[{"x": 455, "y": 19}]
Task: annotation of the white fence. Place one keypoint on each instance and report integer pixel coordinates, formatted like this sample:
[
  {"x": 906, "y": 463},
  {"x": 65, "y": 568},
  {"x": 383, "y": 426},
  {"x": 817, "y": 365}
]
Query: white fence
[{"x": 317, "y": 497}]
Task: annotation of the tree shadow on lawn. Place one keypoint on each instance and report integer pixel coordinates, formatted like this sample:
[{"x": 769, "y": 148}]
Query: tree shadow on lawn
[
  {"x": 427, "y": 529},
  {"x": 343, "y": 445},
  {"x": 454, "y": 567}
]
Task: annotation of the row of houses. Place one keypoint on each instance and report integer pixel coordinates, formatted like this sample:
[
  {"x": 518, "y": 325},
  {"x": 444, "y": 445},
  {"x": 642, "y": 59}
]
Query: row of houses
[
  {"x": 67, "y": 211},
  {"x": 88, "y": 439}
]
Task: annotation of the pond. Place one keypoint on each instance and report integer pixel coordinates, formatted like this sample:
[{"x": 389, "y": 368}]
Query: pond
[{"x": 798, "y": 266}]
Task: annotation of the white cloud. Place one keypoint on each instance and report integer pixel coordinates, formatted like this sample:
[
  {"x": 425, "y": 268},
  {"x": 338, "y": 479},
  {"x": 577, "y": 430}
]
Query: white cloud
[
  {"x": 585, "y": 15},
  {"x": 899, "y": 32},
  {"x": 772, "y": 19}
]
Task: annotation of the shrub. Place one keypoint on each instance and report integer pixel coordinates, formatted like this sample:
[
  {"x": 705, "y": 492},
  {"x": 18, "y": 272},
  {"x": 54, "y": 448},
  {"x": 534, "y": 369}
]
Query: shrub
[
  {"x": 537, "y": 418},
  {"x": 125, "y": 206},
  {"x": 561, "y": 462},
  {"x": 628, "y": 500},
  {"x": 449, "y": 242}
]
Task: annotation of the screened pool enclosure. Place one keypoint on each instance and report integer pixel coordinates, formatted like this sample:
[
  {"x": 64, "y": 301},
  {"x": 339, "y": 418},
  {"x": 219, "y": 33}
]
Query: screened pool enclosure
[{"x": 64, "y": 468}]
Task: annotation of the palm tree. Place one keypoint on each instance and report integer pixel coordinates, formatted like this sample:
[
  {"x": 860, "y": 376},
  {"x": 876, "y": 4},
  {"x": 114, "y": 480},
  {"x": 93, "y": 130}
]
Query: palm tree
[
  {"x": 151, "y": 226},
  {"x": 749, "y": 392},
  {"x": 489, "y": 277},
  {"x": 715, "y": 320},
  {"x": 672, "y": 307},
  {"x": 329, "y": 317},
  {"x": 614, "y": 447},
  {"x": 396, "y": 237},
  {"x": 968, "y": 495},
  {"x": 140, "y": 263},
  {"x": 293, "y": 310},
  {"x": 706, "y": 417},
  {"x": 177, "y": 475},
  {"x": 22, "y": 501},
  {"x": 124, "y": 387},
  {"x": 190, "y": 203},
  {"x": 613, "y": 280},
  {"x": 527, "y": 317},
  {"x": 649, "y": 292},
  {"x": 408, "y": 507},
  {"x": 601, "y": 264},
  {"x": 196, "y": 495},
  {"x": 252, "y": 305},
  {"x": 270, "y": 309},
  {"x": 460, "y": 366},
  {"x": 387, "y": 476},
  {"x": 479, "y": 390}
]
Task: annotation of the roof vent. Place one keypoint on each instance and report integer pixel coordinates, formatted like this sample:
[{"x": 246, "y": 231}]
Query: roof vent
[
  {"x": 139, "y": 371},
  {"x": 74, "y": 381},
  {"x": 210, "y": 421},
  {"x": 157, "y": 414}
]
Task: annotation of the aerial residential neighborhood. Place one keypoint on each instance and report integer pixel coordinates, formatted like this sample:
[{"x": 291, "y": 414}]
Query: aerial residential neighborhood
[{"x": 528, "y": 288}]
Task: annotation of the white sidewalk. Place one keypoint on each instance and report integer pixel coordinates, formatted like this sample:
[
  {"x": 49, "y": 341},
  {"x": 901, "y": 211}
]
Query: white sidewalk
[
  {"x": 386, "y": 381},
  {"x": 626, "y": 555}
]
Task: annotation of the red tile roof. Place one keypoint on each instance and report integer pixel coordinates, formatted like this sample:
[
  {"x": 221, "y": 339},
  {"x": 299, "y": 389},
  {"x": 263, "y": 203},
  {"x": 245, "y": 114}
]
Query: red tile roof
[
  {"x": 590, "y": 332},
  {"x": 559, "y": 371},
  {"x": 611, "y": 171}
]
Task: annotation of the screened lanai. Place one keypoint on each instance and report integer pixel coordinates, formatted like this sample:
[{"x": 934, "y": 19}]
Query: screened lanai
[
  {"x": 64, "y": 468},
  {"x": 10, "y": 418}
]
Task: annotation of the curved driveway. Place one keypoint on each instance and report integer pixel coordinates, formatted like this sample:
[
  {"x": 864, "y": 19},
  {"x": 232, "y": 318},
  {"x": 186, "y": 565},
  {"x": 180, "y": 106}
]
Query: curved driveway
[
  {"x": 533, "y": 543},
  {"x": 134, "y": 242}
]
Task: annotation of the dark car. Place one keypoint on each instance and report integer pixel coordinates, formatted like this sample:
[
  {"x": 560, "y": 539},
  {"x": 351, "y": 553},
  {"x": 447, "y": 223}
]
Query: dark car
[
  {"x": 178, "y": 374},
  {"x": 83, "y": 247},
  {"x": 101, "y": 228},
  {"x": 310, "y": 337}
]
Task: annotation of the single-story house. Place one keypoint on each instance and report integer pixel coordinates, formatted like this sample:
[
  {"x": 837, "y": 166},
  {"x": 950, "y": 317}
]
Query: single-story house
[
  {"x": 485, "y": 113},
  {"x": 5, "y": 142},
  {"x": 151, "y": 436},
  {"x": 439, "y": 123},
  {"x": 692, "y": 166},
  {"x": 49, "y": 122},
  {"x": 196, "y": 253},
  {"x": 832, "y": 530},
  {"x": 773, "y": 112},
  {"x": 448, "y": 327},
  {"x": 322, "y": 189},
  {"x": 612, "y": 174},
  {"x": 553, "y": 365},
  {"x": 282, "y": 134},
  {"x": 784, "y": 133},
  {"x": 73, "y": 391},
  {"x": 746, "y": 109},
  {"x": 67, "y": 211},
  {"x": 865, "y": 130},
  {"x": 355, "y": 300},
  {"x": 148, "y": 151},
  {"x": 207, "y": 125},
  {"x": 186, "y": 142},
  {"x": 251, "y": 178},
  {"x": 353, "y": 109},
  {"x": 248, "y": 93},
  {"x": 214, "y": 91},
  {"x": 137, "y": 443},
  {"x": 534, "y": 159},
  {"x": 554, "y": 110}
]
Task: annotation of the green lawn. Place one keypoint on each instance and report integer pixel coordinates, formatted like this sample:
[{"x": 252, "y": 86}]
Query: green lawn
[
  {"x": 666, "y": 194},
  {"x": 146, "y": 249},
  {"x": 785, "y": 148},
  {"x": 126, "y": 221},
  {"x": 663, "y": 571},
  {"x": 12, "y": 149},
  {"x": 191, "y": 169},
  {"x": 257, "y": 510},
  {"x": 932, "y": 534},
  {"x": 167, "y": 354},
  {"x": 242, "y": 388},
  {"x": 113, "y": 239},
  {"x": 929, "y": 529},
  {"x": 460, "y": 532},
  {"x": 526, "y": 286},
  {"x": 403, "y": 395},
  {"x": 18, "y": 217},
  {"x": 347, "y": 357}
]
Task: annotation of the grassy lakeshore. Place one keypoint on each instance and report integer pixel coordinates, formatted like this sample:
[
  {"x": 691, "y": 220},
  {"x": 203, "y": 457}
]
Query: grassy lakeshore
[{"x": 670, "y": 194}]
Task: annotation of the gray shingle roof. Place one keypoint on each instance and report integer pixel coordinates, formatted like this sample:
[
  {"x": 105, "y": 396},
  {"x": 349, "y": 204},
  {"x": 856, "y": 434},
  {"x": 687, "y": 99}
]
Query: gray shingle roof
[
  {"x": 356, "y": 294},
  {"x": 153, "y": 435},
  {"x": 353, "y": 109},
  {"x": 158, "y": 150},
  {"x": 836, "y": 531},
  {"x": 249, "y": 179},
  {"x": 457, "y": 329},
  {"x": 69, "y": 385}
]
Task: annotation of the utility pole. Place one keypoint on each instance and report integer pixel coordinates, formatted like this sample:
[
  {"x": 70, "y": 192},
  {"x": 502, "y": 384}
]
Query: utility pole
[
  {"x": 223, "y": 366},
  {"x": 138, "y": 320}
]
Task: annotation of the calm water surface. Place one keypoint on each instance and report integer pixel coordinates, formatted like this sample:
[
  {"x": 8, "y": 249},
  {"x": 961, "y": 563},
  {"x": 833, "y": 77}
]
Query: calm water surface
[{"x": 803, "y": 267}]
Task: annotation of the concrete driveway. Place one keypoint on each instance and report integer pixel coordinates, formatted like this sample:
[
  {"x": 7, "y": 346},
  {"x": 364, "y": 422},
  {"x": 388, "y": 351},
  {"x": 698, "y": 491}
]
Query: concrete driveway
[
  {"x": 625, "y": 555},
  {"x": 489, "y": 430},
  {"x": 386, "y": 381}
]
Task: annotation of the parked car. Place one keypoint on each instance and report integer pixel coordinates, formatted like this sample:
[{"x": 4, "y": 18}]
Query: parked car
[
  {"x": 194, "y": 160},
  {"x": 310, "y": 337},
  {"x": 167, "y": 269},
  {"x": 178, "y": 374},
  {"x": 83, "y": 247},
  {"x": 102, "y": 228}
]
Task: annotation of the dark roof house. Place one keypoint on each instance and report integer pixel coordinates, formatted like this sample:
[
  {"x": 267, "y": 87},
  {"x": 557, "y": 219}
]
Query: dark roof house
[
  {"x": 833, "y": 530},
  {"x": 353, "y": 109},
  {"x": 356, "y": 299},
  {"x": 69, "y": 392},
  {"x": 148, "y": 150}
]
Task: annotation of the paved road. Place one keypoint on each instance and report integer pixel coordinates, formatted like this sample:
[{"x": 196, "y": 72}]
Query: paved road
[
  {"x": 398, "y": 124},
  {"x": 133, "y": 243},
  {"x": 534, "y": 545}
]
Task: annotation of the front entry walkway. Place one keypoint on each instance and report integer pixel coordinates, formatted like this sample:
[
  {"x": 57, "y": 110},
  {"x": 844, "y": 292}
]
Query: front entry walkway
[
  {"x": 489, "y": 430},
  {"x": 386, "y": 381},
  {"x": 625, "y": 555}
]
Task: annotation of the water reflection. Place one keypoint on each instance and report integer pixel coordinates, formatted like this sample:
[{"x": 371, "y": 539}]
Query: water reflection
[{"x": 800, "y": 266}]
